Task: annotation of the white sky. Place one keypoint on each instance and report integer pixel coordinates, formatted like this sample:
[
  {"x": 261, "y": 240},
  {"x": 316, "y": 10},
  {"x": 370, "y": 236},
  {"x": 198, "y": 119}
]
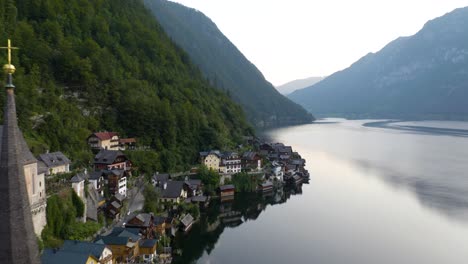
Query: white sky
[{"x": 295, "y": 39}]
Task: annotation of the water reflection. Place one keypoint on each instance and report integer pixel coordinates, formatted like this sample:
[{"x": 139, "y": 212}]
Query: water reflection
[
  {"x": 447, "y": 197},
  {"x": 204, "y": 235}
]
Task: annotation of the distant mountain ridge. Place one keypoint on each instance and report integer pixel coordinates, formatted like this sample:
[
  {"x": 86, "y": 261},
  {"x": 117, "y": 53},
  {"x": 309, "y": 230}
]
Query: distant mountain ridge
[
  {"x": 292, "y": 86},
  {"x": 421, "y": 76},
  {"x": 225, "y": 66}
]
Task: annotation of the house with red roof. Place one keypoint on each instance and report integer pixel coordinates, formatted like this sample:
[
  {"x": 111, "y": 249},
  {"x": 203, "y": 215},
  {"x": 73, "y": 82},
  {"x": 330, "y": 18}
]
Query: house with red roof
[{"x": 104, "y": 140}]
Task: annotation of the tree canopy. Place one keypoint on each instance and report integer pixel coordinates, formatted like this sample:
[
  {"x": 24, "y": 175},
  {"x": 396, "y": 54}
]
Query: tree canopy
[{"x": 99, "y": 65}]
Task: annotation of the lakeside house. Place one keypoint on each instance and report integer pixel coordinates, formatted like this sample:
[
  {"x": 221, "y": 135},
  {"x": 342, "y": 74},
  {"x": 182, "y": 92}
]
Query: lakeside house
[
  {"x": 211, "y": 159},
  {"x": 227, "y": 190},
  {"x": 53, "y": 163},
  {"x": 251, "y": 160},
  {"x": 150, "y": 225},
  {"x": 173, "y": 192},
  {"x": 230, "y": 163},
  {"x": 124, "y": 244},
  {"x": 186, "y": 222},
  {"x": 78, "y": 252}
]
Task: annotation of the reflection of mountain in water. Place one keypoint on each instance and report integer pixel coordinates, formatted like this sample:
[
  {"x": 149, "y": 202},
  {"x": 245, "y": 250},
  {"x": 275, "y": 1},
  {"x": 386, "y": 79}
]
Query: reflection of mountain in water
[
  {"x": 220, "y": 215},
  {"x": 446, "y": 197}
]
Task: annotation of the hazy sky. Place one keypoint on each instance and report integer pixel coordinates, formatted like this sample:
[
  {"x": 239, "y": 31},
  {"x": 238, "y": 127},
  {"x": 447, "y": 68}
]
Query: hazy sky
[{"x": 295, "y": 39}]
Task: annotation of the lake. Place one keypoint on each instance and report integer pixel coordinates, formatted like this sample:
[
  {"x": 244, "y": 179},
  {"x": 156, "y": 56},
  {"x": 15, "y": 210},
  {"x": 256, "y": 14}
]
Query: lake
[{"x": 380, "y": 192}]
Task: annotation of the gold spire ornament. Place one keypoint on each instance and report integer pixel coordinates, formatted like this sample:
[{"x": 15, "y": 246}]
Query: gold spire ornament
[{"x": 9, "y": 68}]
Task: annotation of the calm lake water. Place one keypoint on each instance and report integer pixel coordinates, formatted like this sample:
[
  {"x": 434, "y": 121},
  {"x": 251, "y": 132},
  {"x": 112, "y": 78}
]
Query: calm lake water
[{"x": 380, "y": 192}]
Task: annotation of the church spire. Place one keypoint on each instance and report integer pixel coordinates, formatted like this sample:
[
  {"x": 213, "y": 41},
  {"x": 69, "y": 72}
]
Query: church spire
[{"x": 18, "y": 243}]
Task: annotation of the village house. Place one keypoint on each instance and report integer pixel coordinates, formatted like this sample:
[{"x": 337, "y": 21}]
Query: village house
[
  {"x": 104, "y": 140},
  {"x": 127, "y": 143},
  {"x": 78, "y": 186},
  {"x": 186, "y": 222},
  {"x": 110, "y": 160},
  {"x": 211, "y": 159},
  {"x": 95, "y": 203},
  {"x": 230, "y": 163},
  {"x": 96, "y": 178},
  {"x": 124, "y": 244},
  {"x": 251, "y": 160},
  {"x": 173, "y": 192},
  {"x": 150, "y": 225},
  {"x": 193, "y": 187},
  {"x": 147, "y": 250},
  {"x": 114, "y": 206},
  {"x": 116, "y": 181},
  {"x": 78, "y": 252},
  {"x": 53, "y": 163},
  {"x": 227, "y": 190},
  {"x": 159, "y": 180}
]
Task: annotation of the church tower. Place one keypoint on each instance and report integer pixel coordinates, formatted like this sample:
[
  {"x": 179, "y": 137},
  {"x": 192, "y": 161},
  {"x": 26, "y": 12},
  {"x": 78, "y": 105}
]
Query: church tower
[{"x": 18, "y": 243}]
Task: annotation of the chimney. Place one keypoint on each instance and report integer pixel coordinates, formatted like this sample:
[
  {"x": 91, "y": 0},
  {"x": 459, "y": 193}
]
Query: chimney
[{"x": 165, "y": 186}]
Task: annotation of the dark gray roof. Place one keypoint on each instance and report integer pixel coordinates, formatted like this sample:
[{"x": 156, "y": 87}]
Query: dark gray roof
[
  {"x": 116, "y": 205},
  {"x": 226, "y": 187},
  {"x": 54, "y": 159},
  {"x": 173, "y": 189},
  {"x": 249, "y": 155},
  {"x": 214, "y": 152},
  {"x": 18, "y": 240},
  {"x": 162, "y": 177},
  {"x": 78, "y": 177},
  {"x": 147, "y": 243},
  {"x": 120, "y": 236},
  {"x": 95, "y": 175},
  {"x": 145, "y": 218},
  {"x": 119, "y": 197},
  {"x": 53, "y": 256},
  {"x": 228, "y": 154},
  {"x": 107, "y": 156},
  {"x": 193, "y": 183},
  {"x": 89, "y": 248}
]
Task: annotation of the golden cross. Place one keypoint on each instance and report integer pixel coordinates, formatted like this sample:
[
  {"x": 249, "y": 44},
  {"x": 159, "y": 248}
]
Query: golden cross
[{"x": 9, "y": 48}]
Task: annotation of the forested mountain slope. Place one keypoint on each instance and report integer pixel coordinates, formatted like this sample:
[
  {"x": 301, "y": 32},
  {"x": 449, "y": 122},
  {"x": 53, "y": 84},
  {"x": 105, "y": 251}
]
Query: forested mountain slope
[
  {"x": 84, "y": 66},
  {"x": 225, "y": 66}
]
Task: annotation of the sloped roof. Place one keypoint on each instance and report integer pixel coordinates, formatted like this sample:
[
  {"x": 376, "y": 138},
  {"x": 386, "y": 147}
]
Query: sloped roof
[
  {"x": 147, "y": 243},
  {"x": 187, "y": 220},
  {"x": 106, "y": 156},
  {"x": 249, "y": 155},
  {"x": 127, "y": 140},
  {"x": 51, "y": 256},
  {"x": 162, "y": 177},
  {"x": 18, "y": 241},
  {"x": 226, "y": 187},
  {"x": 83, "y": 247},
  {"x": 54, "y": 159},
  {"x": 214, "y": 152},
  {"x": 78, "y": 177},
  {"x": 104, "y": 135},
  {"x": 173, "y": 189}
]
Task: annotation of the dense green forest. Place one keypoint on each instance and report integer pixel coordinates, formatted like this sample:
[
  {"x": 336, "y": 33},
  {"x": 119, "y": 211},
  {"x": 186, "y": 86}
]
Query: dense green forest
[
  {"x": 225, "y": 66},
  {"x": 101, "y": 65}
]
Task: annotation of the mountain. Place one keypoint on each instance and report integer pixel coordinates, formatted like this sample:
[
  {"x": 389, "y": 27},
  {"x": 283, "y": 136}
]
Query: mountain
[
  {"x": 421, "y": 76},
  {"x": 88, "y": 66},
  {"x": 292, "y": 86},
  {"x": 225, "y": 66}
]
